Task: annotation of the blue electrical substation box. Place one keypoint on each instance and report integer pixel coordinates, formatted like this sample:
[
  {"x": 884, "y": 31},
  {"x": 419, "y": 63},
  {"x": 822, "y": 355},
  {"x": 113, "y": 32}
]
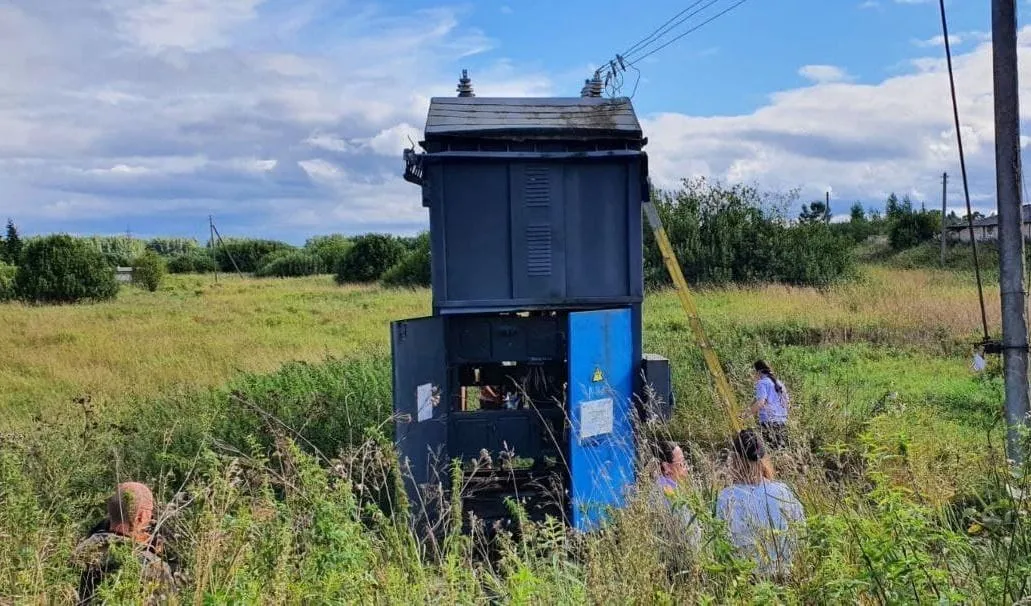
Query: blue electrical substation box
[{"x": 528, "y": 367}]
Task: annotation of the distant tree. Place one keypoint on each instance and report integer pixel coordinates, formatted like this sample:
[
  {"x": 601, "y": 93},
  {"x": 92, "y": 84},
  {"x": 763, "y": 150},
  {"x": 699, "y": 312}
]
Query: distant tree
[
  {"x": 892, "y": 206},
  {"x": 331, "y": 249},
  {"x": 149, "y": 269},
  {"x": 909, "y": 228},
  {"x": 857, "y": 214},
  {"x": 858, "y": 227},
  {"x": 370, "y": 256},
  {"x": 7, "y": 273},
  {"x": 12, "y": 246},
  {"x": 814, "y": 212},
  {"x": 414, "y": 269}
]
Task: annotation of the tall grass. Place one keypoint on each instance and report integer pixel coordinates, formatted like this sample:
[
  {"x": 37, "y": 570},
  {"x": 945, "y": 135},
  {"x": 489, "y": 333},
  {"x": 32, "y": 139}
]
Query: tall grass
[{"x": 280, "y": 486}]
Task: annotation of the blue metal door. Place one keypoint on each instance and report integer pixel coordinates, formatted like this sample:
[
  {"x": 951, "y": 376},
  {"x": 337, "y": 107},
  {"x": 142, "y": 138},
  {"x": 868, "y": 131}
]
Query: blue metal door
[
  {"x": 419, "y": 382},
  {"x": 601, "y": 441}
]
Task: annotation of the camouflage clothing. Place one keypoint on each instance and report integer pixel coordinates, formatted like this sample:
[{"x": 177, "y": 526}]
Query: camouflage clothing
[{"x": 94, "y": 554}]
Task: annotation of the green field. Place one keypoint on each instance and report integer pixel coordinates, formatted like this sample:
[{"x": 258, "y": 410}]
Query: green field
[{"x": 198, "y": 389}]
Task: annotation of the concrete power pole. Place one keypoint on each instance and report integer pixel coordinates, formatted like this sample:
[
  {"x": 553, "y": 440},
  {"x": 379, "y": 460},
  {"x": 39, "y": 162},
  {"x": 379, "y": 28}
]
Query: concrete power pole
[
  {"x": 945, "y": 180},
  {"x": 1011, "y": 239},
  {"x": 827, "y": 207}
]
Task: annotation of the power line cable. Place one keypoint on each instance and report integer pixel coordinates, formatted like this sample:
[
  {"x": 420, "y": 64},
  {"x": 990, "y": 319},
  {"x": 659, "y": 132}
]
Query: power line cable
[
  {"x": 963, "y": 169},
  {"x": 656, "y": 31},
  {"x": 679, "y": 22},
  {"x": 695, "y": 28}
]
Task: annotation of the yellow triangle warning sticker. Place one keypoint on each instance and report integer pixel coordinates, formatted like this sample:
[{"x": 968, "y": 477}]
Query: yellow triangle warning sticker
[{"x": 597, "y": 375}]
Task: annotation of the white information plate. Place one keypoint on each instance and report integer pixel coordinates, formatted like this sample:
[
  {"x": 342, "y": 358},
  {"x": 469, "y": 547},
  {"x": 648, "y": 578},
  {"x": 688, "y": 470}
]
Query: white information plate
[
  {"x": 424, "y": 397},
  {"x": 595, "y": 418}
]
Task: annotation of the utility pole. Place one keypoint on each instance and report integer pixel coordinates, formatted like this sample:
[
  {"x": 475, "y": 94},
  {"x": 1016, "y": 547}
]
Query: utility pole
[
  {"x": 211, "y": 243},
  {"x": 827, "y": 206},
  {"x": 945, "y": 180},
  {"x": 1011, "y": 239}
]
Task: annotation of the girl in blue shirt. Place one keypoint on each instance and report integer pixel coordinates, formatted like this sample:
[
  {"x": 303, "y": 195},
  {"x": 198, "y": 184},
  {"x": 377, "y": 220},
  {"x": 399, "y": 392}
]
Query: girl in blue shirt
[
  {"x": 761, "y": 513},
  {"x": 770, "y": 406}
]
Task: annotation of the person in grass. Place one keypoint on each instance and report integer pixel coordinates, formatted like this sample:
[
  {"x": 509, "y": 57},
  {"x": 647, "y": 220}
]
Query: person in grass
[
  {"x": 758, "y": 510},
  {"x": 676, "y": 520},
  {"x": 129, "y": 514},
  {"x": 770, "y": 406}
]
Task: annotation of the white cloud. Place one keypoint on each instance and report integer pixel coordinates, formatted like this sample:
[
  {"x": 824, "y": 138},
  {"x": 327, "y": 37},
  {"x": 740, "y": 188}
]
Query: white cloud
[
  {"x": 265, "y": 110},
  {"x": 954, "y": 39},
  {"x": 865, "y": 140},
  {"x": 193, "y": 25},
  {"x": 290, "y": 117},
  {"x": 823, "y": 74}
]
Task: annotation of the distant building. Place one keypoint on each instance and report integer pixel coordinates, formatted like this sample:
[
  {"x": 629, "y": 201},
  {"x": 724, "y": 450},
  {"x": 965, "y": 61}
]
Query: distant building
[{"x": 987, "y": 228}]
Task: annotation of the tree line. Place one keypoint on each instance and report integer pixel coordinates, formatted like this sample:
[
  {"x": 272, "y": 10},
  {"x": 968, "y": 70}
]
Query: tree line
[
  {"x": 60, "y": 268},
  {"x": 720, "y": 234}
]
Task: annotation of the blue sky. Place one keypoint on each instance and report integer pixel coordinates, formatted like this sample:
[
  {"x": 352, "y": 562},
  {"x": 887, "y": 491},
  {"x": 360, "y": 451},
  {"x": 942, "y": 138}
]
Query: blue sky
[{"x": 286, "y": 119}]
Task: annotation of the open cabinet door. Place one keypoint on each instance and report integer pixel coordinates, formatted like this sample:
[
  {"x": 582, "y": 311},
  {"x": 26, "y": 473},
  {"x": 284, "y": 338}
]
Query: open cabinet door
[
  {"x": 601, "y": 441},
  {"x": 419, "y": 383}
]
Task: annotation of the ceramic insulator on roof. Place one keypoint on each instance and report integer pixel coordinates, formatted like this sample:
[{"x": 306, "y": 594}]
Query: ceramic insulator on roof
[{"x": 465, "y": 85}]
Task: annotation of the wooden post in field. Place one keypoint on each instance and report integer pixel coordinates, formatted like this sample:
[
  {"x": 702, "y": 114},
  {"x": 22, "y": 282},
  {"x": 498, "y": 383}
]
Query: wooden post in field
[
  {"x": 211, "y": 243},
  {"x": 945, "y": 179}
]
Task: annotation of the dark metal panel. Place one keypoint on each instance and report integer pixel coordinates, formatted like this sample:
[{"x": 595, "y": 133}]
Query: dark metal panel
[
  {"x": 658, "y": 376},
  {"x": 477, "y": 231},
  {"x": 433, "y": 197},
  {"x": 536, "y": 201},
  {"x": 637, "y": 192},
  {"x": 596, "y": 230},
  {"x": 577, "y": 156},
  {"x": 601, "y": 440},
  {"x": 419, "y": 364},
  {"x": 484, "y": 339},
  {"x": 512, "y": 305}
]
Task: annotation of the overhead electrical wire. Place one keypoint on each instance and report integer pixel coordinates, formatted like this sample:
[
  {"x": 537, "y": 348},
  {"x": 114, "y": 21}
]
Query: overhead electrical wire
[
  {"x": 612, "y": 70},
  {"x": 660, "y": 30},
  {"x": 963, "y": 169},
  {"x": 695, "y": 28}
]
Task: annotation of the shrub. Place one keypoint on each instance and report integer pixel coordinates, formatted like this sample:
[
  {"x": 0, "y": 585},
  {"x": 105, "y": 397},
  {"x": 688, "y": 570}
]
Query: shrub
[
  {"x": 294, "y": 263},
  {"x": 414, "y": 269},
  {"x": 148, "y": 270},
  {"x": 331, "y": 249},
  {"x": 117, "y": 251},
  {"x": 197, "y": 261},
  {"x": 7, "y": 281},
  {"x": 273, "y": 256},
  {"x": 815, "y": 254},
  {"x": 913, "y": 228},
  {"x": 724, "y": 234},
  {"x": 172, "y": 247},
  {"x": 63, "y": 269},
  {"x": 248, "y": 253},
  {"x": 369, "y": 258}
]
